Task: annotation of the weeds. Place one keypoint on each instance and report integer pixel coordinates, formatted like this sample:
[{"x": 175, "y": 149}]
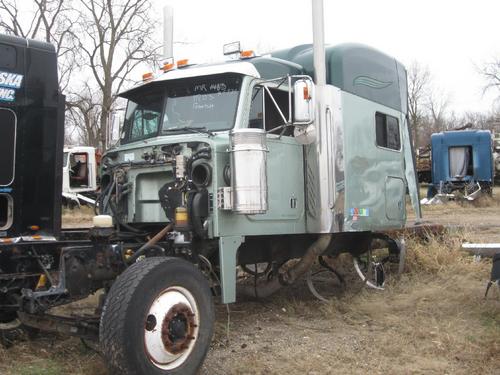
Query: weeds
[
  {"x": 40, "y": 367},
  {"x": 438, "y": 255}
]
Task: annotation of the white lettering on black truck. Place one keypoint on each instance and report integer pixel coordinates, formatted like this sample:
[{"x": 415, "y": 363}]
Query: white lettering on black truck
[{"x": 9, "y": 83}]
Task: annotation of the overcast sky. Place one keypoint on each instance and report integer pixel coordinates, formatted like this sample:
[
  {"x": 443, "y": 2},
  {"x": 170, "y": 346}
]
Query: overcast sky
[{"x": 450, "y": 37}]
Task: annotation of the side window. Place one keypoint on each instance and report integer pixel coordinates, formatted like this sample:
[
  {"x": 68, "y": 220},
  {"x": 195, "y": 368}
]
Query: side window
[
  {"x": 387, "y": 131},
  {"x": 7, "y": 56},
  {"x": 256, "y": 119},
  {"x": 145, "y": 123},
  {"x": 265, "y": 113}
]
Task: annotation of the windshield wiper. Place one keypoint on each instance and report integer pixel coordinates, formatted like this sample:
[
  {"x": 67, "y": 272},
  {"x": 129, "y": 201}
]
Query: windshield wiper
[{"x": 193, "y": 129}]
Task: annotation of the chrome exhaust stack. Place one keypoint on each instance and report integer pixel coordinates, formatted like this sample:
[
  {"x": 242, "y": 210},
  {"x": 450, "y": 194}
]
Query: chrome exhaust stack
[
  {"x": 318, "y": 24},
  {"x": 168, "y": 32}
]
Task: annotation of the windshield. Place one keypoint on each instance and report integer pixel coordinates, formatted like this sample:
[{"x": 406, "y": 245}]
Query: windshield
[
  {"x": 208, "y": 104},
  {"x": 198, "y": 104}
]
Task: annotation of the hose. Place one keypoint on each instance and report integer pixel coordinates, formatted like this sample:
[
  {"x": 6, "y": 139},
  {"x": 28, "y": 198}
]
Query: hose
[
  {"x": 196, "y": 215},
  {"x": 204, "y": 153},
  {"x": 134, "y": 257},
  {"x": 106, "y": 196},
  {"x": 125, "y": 225},
  {"x": 100, "y": 199},
  {"x": 152, "y": 242}
]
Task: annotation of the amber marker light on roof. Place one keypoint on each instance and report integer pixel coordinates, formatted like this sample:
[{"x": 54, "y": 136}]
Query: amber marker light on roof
[
  {"x": 168, "y": 67},
  {"x": 247, "y": 54},
  {"x": 182, "y": 63},
  {"x": 147, "y": 76}
]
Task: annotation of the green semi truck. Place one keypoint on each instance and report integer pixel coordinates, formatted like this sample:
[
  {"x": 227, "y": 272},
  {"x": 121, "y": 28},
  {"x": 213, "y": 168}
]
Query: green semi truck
[
  {"x": 263, "y": 164},
  {"x": 251, "y": 162}
]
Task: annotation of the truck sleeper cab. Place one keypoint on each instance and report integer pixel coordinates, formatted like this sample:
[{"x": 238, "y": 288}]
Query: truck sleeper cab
[{"x": 462, "y": 161}]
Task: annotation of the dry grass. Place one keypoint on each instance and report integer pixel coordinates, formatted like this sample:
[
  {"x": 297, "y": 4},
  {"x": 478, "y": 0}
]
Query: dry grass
[
  {"x": 432, "y": 320},
  {"x": 77, "y": 217},
  {"x": 435, "y": 318},
  {"x": 50, "y": 355},
  {"x": 436, "y": 256}
]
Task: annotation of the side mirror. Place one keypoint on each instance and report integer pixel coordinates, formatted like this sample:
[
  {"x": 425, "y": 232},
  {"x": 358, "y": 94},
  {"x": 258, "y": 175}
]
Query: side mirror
[
  {"x": 303, "y": 101},
  {"x": 115, "y": 130}
]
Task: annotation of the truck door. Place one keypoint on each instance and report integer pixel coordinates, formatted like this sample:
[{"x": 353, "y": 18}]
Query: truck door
[
  {"x": 285, "y": 158},
  {"x": 388, "y": 141}
]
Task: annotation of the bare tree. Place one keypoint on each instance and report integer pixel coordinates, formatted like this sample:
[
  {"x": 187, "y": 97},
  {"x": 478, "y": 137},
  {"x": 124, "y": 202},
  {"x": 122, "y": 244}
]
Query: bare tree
[
  {"x": 50, "y": 21},
  {"x": 491, "y": 73},
  {"x": 438, "y": 104},
  {"x": 117, "y": 36},
  {"x": 82, "y": 116},
  {"x": 419, "y": 80},
  {"x": 477, "y": 120}
]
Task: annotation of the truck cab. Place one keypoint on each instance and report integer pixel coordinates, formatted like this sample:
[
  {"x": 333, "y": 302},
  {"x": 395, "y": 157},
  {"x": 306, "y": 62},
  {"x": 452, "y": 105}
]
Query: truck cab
[
  {"x": 251, "y": 150},
  {"x": 79, "y": 174},
  {"x": 194, "y": 109},
  {"x": 191, "y": 108},
  {"x": 31, "y": 138}
]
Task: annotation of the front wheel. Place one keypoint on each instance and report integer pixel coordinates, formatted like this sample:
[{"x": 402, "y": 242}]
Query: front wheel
[{"x": 158, "y": 318}]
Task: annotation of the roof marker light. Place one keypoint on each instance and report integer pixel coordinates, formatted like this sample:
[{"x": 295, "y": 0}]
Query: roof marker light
[
  {"x": 247, "y": 54},
  {"x": 182, "y": 63},
  {"x": 168, "y": 67},
  {"x": 147, "y": 76}
]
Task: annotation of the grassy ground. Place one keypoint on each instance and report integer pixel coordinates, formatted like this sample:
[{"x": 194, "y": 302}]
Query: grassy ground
[
  {"x": 77, "y": 217},
  {"x": 433, "y": 320}
]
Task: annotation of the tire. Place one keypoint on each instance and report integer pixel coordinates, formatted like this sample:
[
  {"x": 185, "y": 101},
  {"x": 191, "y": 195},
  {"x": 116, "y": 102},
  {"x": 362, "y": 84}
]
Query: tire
[{"x": 149, "y": 301}]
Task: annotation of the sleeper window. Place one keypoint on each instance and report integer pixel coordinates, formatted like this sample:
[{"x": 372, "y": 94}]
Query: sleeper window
[{"x": 387, "y": 131}]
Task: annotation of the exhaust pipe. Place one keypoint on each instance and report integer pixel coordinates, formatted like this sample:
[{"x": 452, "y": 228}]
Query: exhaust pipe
[
  {"x": 319, "y": 42},
  {"x": 168, "y": 32},
  {"x": 267, "y": 288}
]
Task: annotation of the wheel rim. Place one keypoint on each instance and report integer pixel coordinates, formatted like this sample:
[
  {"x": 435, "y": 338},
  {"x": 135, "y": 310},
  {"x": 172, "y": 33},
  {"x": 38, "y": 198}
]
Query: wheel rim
[
  {"x": 375, "y": 266},
  {"x": 171, "y": 328},
  {"x": 366, "y": 273}
]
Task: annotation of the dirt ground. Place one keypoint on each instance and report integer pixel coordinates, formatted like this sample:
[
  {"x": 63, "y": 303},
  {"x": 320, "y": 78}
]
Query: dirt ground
[{"x": 433, "y": 320}]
